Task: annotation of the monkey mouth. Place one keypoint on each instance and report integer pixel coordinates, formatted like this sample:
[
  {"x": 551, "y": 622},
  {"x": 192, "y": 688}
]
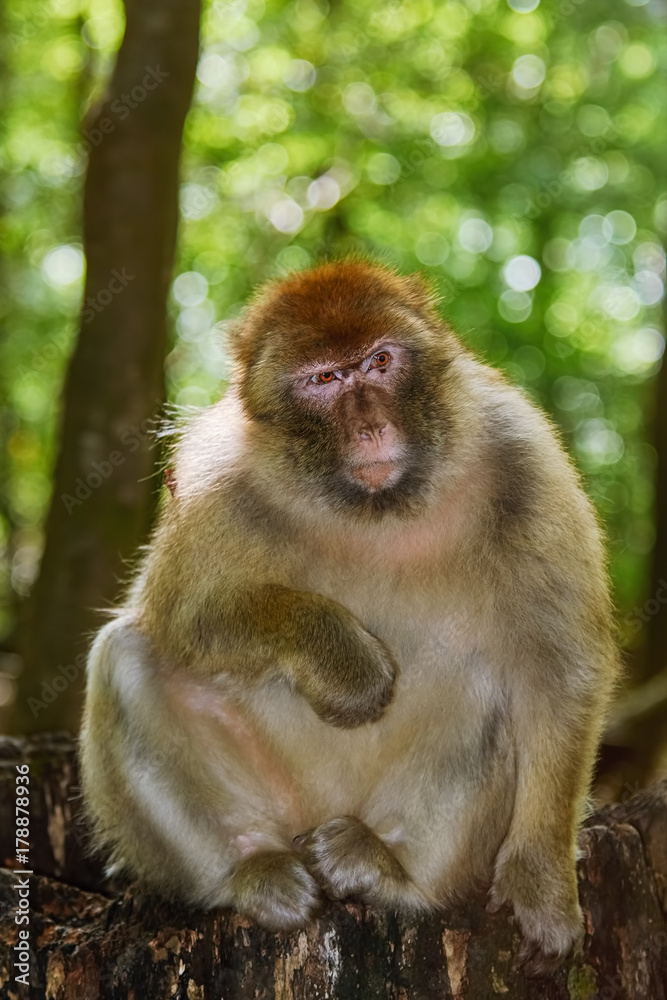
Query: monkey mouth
[{"x": 377, "y": 475}]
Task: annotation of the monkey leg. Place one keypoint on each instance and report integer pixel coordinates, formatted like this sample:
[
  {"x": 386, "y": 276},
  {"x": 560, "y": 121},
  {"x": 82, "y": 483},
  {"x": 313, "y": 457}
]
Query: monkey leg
[
  {"x": 184, "y": 792},
  {"x": 276, "y": 889},
  {"x": 348, "y": 859},
  {"x": 535, "y": 869}
]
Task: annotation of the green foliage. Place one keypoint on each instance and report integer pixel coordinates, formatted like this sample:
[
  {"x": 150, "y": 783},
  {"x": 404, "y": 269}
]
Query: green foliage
[{"x": 511, "y": 151}]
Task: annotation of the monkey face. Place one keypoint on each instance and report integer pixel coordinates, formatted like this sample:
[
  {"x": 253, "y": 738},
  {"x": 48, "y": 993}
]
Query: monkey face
[
  {"x": 346, "y": 366},
  {"x": 357, "y": 399}
]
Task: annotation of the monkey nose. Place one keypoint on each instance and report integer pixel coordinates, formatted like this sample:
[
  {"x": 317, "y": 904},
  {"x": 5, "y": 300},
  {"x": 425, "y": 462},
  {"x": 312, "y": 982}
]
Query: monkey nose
[{"x": 368, "y": 433}]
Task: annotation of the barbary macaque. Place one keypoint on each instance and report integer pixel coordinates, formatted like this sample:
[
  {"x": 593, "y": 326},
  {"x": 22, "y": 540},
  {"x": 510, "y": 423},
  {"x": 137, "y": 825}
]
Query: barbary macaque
[{"x": 369, "y": 650}]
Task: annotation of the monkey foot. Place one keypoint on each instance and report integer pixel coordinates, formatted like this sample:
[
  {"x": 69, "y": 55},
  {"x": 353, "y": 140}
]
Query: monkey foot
[
  {"x": 348, "y": 859},
  {"x": 276, "y": 890},
  {"x": 548, "y": 938}
]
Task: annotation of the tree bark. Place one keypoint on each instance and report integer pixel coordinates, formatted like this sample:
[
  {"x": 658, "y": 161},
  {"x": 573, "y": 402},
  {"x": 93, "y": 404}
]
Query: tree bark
[
  {"x": 89, "y": 945},
  {"x": 103, "y": 486}
]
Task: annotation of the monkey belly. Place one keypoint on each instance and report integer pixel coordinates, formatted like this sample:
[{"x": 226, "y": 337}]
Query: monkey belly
[{"x": 433, "y": 778}]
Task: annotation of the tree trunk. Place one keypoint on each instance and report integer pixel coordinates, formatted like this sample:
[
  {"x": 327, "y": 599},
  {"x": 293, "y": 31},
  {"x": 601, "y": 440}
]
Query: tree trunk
[
  {"x": 656, "y": 647},
  {"x": 638, "y": 724},
  {"x": 104, "y": 487},
  {"x": 86, "y": 945}
]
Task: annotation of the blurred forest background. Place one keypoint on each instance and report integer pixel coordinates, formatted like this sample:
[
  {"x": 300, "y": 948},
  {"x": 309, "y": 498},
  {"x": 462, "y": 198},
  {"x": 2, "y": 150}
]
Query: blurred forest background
[{"x": 513, "y": 151}]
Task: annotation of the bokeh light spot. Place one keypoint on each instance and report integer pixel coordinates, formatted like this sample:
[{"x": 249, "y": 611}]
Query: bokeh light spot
[
  {"x": 431, "y": 249},
  {"x": 452, "y": 128},
  {"x": 515, "y": 307},
  {"x": 623, "y": 225},
  {"x": 190, "y": 288},
  {"x": 382, "y": 168},
  {"x": 637, "y": 61},
  {"x": 523, "y": 6},
  {"x": 475, "y": 235},
  {"x": 300, "y": 75},
  {"x": 63, "y": 265},
  {"x": 359, "y": 99},
  {"x": 522, "y": 273},
  {"x": 286, "y": 216},
  {"x": 528, "y": 72}
]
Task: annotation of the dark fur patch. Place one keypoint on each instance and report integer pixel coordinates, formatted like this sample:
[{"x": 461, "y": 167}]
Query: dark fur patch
[
  {"x": 487, "y": 746},
  {"x": 516, "y": 492},
  {"x": 252, "y": 509},
  {"x": 494, "y": 733}
]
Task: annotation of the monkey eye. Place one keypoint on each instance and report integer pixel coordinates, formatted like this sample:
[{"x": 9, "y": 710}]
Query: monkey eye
[
  {"x": 323, "y": 378},
  {"x": 380, "y": 360}
]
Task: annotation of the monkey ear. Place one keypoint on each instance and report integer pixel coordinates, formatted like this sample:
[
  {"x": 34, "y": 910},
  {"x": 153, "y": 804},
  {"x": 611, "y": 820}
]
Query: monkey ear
[
  {"x": 244, "y": 336},
  {"x": 238, "y": 341}
]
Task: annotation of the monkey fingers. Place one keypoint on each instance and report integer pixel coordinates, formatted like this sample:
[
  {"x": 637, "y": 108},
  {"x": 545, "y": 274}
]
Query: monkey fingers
[
  {"x": 550, "y": 932},
  {"x": 540, "y": 956},
  {"x": 275, "y": 888},
  {"x": 356, "y": 686},
  {"x": 348, "y": 859}
]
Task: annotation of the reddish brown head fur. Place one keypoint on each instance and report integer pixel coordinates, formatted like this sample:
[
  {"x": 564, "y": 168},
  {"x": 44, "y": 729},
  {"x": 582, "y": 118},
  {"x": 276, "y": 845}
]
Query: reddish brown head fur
[{"x": 336, "y": 306}]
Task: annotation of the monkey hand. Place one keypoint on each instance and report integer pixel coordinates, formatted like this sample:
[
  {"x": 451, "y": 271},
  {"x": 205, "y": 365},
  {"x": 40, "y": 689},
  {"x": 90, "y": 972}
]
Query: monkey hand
[
  {"x": 351, "y": 680},
  {"x": 543, "y": 893}
]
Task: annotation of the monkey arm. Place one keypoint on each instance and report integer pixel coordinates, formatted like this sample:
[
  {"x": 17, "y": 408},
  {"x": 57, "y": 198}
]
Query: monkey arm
[{"x": 344, "y": 672}]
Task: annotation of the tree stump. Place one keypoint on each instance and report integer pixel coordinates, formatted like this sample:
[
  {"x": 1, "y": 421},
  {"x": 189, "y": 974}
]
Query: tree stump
[{"x": 88, "y": 943}]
